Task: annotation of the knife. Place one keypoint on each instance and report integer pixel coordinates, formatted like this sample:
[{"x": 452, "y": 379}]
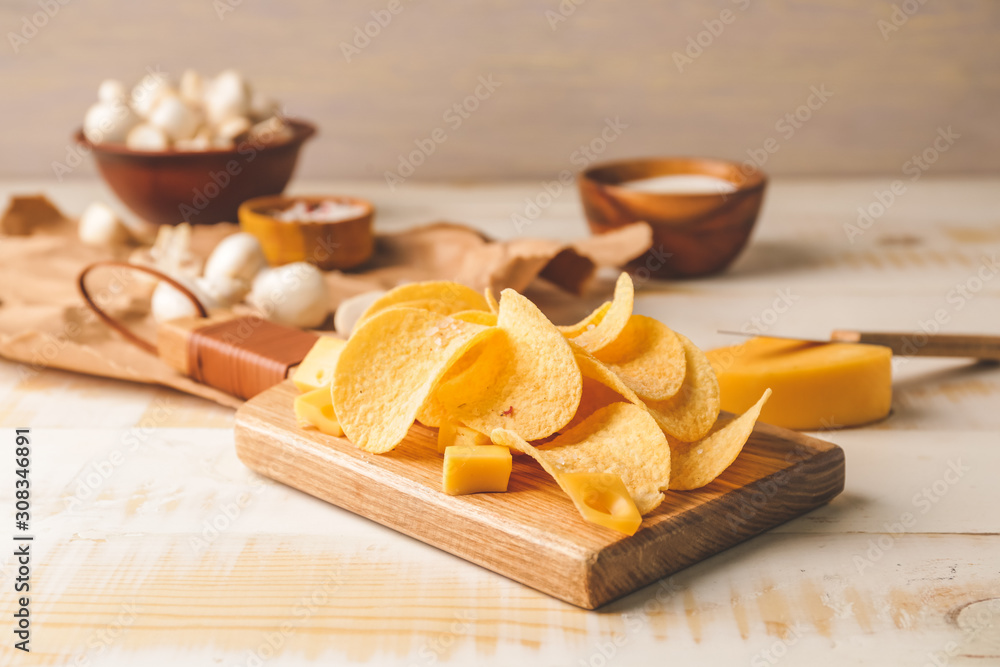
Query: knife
[{"x": 913, "y": 344}]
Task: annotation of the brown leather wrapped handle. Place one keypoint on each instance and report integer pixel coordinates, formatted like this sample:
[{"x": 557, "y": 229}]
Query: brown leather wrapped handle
[{"x": 115, "y": 324}]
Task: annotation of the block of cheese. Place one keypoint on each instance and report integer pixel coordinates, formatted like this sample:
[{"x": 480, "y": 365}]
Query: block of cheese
[
  {"x": 481, "y": 469},
  {"x": 603, "y": 499},
  {"x": 316, "y": 369},
  {"x": 315, "y": 408},
  {"x": 815, "y": 385},
  {"x": 452, "y": 433}
]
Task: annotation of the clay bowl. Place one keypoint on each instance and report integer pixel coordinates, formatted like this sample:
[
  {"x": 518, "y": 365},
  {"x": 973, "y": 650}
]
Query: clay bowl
[
  {"x": 693, "y": 234},
  {"x": 343, "y": 244},
  {"x": 200, "y": 187}
]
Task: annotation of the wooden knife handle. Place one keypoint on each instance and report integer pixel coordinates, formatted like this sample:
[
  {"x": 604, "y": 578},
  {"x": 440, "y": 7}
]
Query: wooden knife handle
[{"x": 920, "y": 344}]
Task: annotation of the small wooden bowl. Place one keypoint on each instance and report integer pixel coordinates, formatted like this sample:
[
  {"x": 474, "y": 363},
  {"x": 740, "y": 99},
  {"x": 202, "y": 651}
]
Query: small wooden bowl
[
  {"x": 343, "y": 244},
  {"x": 199, "y": 187},
  {"x": 693, "y": 234}
]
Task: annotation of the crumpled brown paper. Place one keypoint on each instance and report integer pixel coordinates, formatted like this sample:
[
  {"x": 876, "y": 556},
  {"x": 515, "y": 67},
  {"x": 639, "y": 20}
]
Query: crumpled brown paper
[{"x": 44, "y": 322}]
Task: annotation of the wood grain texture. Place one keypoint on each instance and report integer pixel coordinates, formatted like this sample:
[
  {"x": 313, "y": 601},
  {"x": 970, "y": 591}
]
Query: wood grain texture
[
  {"x": 532, "y": 533},
  {"x": 559, "y": 80}
]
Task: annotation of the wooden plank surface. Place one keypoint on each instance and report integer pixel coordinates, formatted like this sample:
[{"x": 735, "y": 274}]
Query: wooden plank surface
[
  {"x": 137, "y": 572},
  {"x": 533, "y": 533}
]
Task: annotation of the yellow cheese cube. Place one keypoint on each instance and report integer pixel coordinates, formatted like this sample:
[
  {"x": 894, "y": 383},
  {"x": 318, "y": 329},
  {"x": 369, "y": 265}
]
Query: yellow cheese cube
[
  {"x": 316, "y": 369},
  {"x": 603, "y": 499},
  {"x": 315, "y": 408},
  {"x": 479, "y": 469},
  {"x": 452, "y": 433},
  {"x": 815, "y": 385}
]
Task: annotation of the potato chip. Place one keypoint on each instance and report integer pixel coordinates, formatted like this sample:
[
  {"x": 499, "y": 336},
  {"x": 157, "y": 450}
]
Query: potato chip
[
  {"x": 690, "y": 414},
  {"x": 491, "y": 300},
  {"x": 695, "y": 464},
  {"x": 607, "y": 329},
  {"x": 648, "y": 357},
  {"x": 432, "y": 413},
  {"x": 620, "y": 439},
  {"x": 692, "y": 411},
  {"x": 489, "y": 357},
  {"x": 486, "y": 318},
  {"x": 388, "y": 368},
  {"x": 532, "y": 388},
  {"x": 587, "y": 323},
  {"x": 593, "y": 369},
  {"x": 441, "y": 296}
]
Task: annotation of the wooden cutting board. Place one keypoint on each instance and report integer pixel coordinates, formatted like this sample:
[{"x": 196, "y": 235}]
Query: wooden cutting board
[{"x": 533, "y": 533}]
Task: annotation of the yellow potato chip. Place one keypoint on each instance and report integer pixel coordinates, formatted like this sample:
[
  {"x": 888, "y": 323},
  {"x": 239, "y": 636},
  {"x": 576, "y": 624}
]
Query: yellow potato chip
[
  {"x": 695, "y": 464},
  {"x": 491, "y": 300},
  {"x": 620, "y": 439},
  {"x": 388, "y": 368},
  {"x": 692, "y": 411},
  {"x": 441, "y": 296},
  {"x": 587, "y": 323},
  {"x": 648, "y": 357},
  {"x": 690, "y": 414},
  {"x": 486, "y": 318},
  {"x": 527, "y": 380},
  {"x": 488, "y": 355},
  {"x": 595, "y": 396},
  {"x": 607, "y": 329}
]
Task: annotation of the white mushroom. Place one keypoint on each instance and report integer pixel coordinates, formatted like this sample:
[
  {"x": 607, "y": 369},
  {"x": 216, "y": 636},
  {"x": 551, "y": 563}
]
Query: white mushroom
[
  {"x": 169, "y": 303},
  {"x": 171, "y": 252},
  {"x": 100, "y": 226},
  {"x": 146, "y": 137},
  {"x": 109, "y": 122},
  {"x": 271, "y": 131},
  {"x": 177, "y": 120},
  {"x": 148, "y": 92},
  {"x": 201, "y": 141},
  {"x": 232, "y": 127},
  {"x": 293, "y": 294},
  {"x": 227, "y": 95},
  {"x": 238, "y": 256},
  {"x": 350, "y": 310},
  {"x": 112, "y": 90},
  {"x": 222, "y": 290},
  {"x": 263, "y": 107},
  {"x": 196, "y": 143},
  {"x": 192, "y": 87},
  {"x": 223, "y": 143}
]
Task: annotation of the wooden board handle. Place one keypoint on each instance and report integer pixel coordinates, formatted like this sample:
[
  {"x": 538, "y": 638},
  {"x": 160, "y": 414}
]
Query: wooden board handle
[{"x": 919, "y": 344}]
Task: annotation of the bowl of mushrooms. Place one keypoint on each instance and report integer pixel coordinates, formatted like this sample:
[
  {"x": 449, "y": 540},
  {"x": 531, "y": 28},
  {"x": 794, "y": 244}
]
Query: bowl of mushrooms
[{"x": 190, "y": 152}]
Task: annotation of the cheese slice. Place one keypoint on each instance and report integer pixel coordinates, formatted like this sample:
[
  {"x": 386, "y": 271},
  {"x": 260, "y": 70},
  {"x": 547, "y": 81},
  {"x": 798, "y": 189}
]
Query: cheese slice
[
  {"x": 603, "y": 499},
  {"x": 315, "y": 408},
  {"x": 815, "y": 385},
  {"x": 316, "y": 370},
  {"x": 479, "y": 469}
]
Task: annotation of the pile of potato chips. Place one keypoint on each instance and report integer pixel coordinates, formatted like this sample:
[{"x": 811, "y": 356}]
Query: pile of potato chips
[{"x": 617, "y": 393}]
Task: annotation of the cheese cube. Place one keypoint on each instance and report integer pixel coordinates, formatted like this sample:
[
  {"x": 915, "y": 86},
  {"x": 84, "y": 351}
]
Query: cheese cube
[
  {"x": 603, "y": 499},
  {"x": 317, "y": 368},
  {"x": 453, "y": 433},
  {"x": 315, "y": 408},
  {"x": 479, "y": 469},
  {"x": 815, "y": 385}
]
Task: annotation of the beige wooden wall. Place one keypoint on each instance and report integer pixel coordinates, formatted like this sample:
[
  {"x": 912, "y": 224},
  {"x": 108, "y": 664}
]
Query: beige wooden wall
[{"x": 892, "y": 89}]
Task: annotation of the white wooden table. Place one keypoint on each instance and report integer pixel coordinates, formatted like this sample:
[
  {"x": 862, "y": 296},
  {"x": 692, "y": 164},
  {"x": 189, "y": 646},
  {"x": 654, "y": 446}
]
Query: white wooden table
[{"x": 155, "y": 546}]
